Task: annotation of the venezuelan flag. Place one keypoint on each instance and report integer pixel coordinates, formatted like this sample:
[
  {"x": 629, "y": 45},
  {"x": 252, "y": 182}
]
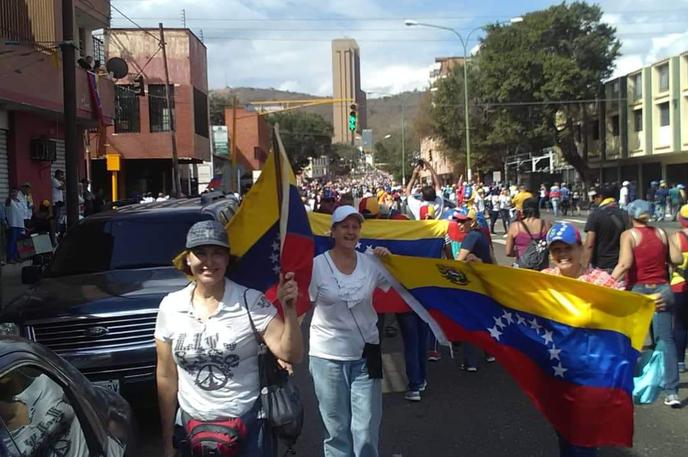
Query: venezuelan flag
[
  {"x": 571, "y": 346},
  {"x": 411, "y": 238},
  {"x": 270, "y": 232}
]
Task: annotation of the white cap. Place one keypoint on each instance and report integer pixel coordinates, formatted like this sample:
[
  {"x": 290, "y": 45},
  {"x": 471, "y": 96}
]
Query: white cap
[
  {"x": 625, "y": 183},
  {"x": 343, "y": 212}
]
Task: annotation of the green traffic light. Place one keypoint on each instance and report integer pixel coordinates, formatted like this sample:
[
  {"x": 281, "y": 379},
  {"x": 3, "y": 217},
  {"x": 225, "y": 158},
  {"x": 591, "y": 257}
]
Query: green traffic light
[{"x": 352, "y": 122}]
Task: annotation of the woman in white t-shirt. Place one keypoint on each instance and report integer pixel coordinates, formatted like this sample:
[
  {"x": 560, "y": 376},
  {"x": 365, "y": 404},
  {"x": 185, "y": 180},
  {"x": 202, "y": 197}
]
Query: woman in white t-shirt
[
  {"x": 347, "y": 381},
  {"x": 207, "y": 351}
]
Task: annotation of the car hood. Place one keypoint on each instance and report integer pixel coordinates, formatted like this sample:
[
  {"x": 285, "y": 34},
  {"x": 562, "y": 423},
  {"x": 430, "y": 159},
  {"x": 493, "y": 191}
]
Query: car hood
[{"x": 111, "y": 291}]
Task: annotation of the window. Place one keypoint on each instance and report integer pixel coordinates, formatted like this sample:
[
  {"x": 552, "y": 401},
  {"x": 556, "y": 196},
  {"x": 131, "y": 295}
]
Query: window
[
  {"x": 36, "y": 416},
  {"x": 637, "y": 86},
  {"x": 638, "y": 120},
  {"x": 663, "y": 77},
  {"x": 127, "y": 117},
  {"x": 157, "y": 107},
  {"x": 664, "y": 114},
  {"x": 615, "y": 125},
  {"x": 615, "y": 88},
  {"x": 200, "y": 113},
  {"x": 133, "y": 242},
  {"x": 595, "y": 129}
]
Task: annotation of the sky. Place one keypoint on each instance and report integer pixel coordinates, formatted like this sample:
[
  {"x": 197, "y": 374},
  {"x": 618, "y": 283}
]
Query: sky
[{"x": 285, "y": 44}]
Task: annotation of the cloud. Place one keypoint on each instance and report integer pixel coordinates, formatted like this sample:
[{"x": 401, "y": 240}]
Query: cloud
[{"x": 286, "y": 43}]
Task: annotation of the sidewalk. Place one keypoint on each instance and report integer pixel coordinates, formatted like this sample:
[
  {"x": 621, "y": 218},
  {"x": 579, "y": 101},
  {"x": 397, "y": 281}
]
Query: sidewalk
[{"x": 10, "y": 282}]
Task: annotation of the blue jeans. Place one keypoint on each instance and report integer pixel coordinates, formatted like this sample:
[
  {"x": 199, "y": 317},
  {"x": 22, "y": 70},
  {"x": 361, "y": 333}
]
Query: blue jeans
[
  {"x": 12, "y": 237},
  {"x": 350, "y": 406},
  {"x": 681, "y": 325},
  {"x": 414, "y": 332},
  {"x": 555, "y": 207},
  {"x": 566, "y": 449},
  {"x": 662, "y": 330}
]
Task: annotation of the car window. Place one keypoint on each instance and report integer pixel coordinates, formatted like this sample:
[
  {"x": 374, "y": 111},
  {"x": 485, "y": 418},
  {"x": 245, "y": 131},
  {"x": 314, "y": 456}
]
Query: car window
[
  {"x": 36, "y": 417},
  {"x": 126, "y": 243}
]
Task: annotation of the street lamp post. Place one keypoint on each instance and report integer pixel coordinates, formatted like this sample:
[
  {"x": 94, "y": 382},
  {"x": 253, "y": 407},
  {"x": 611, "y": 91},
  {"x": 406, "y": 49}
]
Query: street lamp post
[
  {"x": 403, "y": 138},
  {"x": 464, "y": 44}
]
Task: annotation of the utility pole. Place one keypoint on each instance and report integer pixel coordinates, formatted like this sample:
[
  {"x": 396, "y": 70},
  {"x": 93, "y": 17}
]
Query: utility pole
[
  {"x": 235, "y": 164},
  {"x": 176, "y": 179},
  {"x": 69, "y": 96}
]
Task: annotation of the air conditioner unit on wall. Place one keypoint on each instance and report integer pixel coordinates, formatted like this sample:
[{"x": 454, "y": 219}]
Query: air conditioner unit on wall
[{"x": 43, "y": 149}]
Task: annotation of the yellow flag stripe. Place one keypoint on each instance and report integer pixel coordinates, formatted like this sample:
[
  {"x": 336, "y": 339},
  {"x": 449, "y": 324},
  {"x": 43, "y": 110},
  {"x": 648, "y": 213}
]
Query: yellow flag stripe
[
  {"x": 384, "y": 228},
  {"x": 557, "y": 298}
]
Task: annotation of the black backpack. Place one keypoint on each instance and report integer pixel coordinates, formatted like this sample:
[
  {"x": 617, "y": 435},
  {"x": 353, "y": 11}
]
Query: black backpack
[{"x": 536, "y": 255}]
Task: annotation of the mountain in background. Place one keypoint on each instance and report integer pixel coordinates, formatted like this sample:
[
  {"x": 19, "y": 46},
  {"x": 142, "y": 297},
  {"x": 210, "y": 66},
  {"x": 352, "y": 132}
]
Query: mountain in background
[{"x": 384, "y": 114}]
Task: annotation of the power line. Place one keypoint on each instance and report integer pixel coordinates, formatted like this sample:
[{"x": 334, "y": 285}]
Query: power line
[{"x": 136, "y": 24}]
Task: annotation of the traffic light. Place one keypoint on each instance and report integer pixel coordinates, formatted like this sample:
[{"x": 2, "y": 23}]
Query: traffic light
[
  {"x": 139, "y": 87},
  {"x": 353, "y": 118}
]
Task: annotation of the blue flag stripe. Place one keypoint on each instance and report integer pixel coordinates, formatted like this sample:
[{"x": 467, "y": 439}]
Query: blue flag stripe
[{"x": 589, "y": 356}]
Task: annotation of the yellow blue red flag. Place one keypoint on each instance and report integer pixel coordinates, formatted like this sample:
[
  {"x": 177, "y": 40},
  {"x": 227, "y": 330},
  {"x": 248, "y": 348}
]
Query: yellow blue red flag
[
  {"x": 270, "y": 232},
  {"x": 571, "y": 346}
]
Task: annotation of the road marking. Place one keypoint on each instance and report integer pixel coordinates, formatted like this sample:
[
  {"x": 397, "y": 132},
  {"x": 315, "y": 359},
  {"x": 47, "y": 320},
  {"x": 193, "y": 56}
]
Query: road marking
[{"x": 393, "y": 368}]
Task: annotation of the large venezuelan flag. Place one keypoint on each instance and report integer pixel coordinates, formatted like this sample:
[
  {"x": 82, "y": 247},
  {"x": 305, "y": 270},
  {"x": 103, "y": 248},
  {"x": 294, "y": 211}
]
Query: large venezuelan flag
[
  {"x": 270, "y": 232},
  {"x": 571, "y": 346},
  {"x": 411, "y": 238}
]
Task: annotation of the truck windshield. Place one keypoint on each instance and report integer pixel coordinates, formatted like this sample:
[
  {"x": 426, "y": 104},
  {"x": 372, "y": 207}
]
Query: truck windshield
[{"x": 132, "y": 242}]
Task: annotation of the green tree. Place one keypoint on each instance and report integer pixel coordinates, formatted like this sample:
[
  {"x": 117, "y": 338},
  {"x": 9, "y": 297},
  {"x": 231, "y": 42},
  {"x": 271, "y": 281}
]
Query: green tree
[
  {"x": 304, "y": 135},
  {"x": 532, "y": 73}
]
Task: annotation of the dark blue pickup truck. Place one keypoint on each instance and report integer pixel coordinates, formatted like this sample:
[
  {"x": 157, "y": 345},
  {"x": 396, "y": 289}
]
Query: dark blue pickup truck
[{"x": 96, "y": 303}]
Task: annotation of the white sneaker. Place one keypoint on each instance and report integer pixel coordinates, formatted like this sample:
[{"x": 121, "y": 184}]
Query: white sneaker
[
  {"x": 672, "y": 400},
  {"x": 412, "y": 395},
  {"x": 423, "y": 386}
]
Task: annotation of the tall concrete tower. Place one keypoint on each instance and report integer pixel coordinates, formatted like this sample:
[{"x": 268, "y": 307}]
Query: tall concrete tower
[{"x": 346, "y": 83}]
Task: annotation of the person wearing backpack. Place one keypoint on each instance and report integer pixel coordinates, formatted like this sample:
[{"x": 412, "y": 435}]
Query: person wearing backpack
[
  {"x": 526, "y": 238},
  {"x": 679, "y": 285},
  {"x": 645, "y": 259}
]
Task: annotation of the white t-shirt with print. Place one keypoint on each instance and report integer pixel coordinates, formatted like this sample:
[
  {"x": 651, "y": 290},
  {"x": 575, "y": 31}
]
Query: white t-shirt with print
[
  {"x": 217, "y": 360},
  {"x": 343, "y": 304},
  {"x": 415, "y": 205},
  {"x": 53, "y": 425}
]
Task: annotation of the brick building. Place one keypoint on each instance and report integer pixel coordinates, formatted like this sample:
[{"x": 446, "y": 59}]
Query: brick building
[
  {"x": 141, "y": 130},
  {"x": 31, "y": 98}
]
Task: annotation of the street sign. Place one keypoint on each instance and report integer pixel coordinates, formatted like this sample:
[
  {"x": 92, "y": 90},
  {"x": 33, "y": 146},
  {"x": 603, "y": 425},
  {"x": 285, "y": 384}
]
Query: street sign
[
  {"x": 220, "y": 141},
  {"x": 112, "y": 162},
  {"x": 496, "y": 176}
]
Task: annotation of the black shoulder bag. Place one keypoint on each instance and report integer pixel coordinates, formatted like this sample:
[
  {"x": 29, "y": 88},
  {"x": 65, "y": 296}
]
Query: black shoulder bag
[{"x": 279, "y": 395}]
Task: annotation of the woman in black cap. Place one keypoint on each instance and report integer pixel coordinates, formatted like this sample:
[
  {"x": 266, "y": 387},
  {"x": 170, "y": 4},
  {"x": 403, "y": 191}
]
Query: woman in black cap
[{"x": 207, "y": 351}]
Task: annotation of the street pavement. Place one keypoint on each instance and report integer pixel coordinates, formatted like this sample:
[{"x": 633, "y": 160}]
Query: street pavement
[{"x": 461, "y": 413}]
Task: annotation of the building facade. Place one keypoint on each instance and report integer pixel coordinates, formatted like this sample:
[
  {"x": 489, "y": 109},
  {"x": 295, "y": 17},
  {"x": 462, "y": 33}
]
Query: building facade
[
  {"x": 141, "y": 133},
  {"x": 346, "y": 84},
  {"x": 639, "y": 131},
  {"x": 31, "y": 95},
  {"x": 318, "y": 167}
]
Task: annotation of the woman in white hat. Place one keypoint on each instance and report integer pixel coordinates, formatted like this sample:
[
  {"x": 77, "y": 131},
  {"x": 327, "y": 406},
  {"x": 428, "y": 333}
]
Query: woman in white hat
[{"x": 345, "y": 358}]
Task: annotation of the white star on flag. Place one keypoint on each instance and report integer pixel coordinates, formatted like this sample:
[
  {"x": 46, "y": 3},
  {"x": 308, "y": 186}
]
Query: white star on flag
[
  {"x": 508, "y": 317},
  {"x": 535, "y": 325},
  {"x": 520, "y": 320},
  {"x": 494, "y": 332},
  {"x": 554, "y": 353},
  {"x": 274, "y": 258},
  {"x": 548, "y": 336},
  {"x": 369, "y": 249},
  {"x": 498, "y": 322},
  {"x": 559, "y": 370},
  {"x": 358, "y": 245},
  {"x": 276, "y": 269}
]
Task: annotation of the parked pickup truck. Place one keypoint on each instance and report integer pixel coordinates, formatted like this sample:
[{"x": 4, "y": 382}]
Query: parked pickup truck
[{"x": 96, "y": 303}]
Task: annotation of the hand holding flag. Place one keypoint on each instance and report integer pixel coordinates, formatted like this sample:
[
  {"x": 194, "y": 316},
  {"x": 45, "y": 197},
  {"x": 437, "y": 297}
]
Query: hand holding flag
[{"x": 287, "y": 290}]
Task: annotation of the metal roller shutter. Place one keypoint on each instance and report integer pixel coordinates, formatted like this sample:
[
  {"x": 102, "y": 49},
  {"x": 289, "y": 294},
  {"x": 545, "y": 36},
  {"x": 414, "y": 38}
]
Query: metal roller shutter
[
  {"x": 59, "y": 163},
  {"x": 4, "y": 166}
]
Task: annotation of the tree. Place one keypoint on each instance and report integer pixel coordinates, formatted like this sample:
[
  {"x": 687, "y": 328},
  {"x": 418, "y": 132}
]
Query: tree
[
  {"x": 533, "y": 73},
  {"x": 304, "y": 135},
  {"x": 217, "y": 102}
]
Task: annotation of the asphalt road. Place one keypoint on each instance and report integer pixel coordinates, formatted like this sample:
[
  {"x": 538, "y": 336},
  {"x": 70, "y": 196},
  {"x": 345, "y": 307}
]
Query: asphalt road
[{"x": 465, "y": 414}]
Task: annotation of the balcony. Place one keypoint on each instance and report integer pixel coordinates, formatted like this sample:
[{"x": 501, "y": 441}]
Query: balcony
[{"x": 32, "y": 80}]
